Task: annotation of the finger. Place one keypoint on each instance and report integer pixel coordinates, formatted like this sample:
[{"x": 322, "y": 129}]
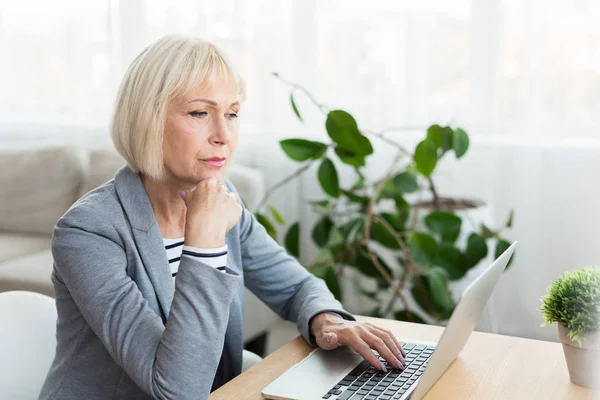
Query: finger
[
  {"x": 185, "y": 196},
  {"x": 362, "y": 348},
  {"x": 389, "y": 340},
  {"x": 328, "y": 341},
  {"x": 392, "y": 336},
  {"x": 391, "y": 345},
  {"x": 378, "y": 344},
  {"x": 233, "y": 196}
]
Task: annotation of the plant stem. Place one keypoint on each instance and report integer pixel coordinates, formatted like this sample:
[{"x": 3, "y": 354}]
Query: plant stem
[
  {"x": 320, "y": 106},
  {"x": 410, "y": 263},
  {"x": 337, "y": 257},
  {"x": 384, "y": 138},
  {"x": 436, "y": 198},
  {"x": 367, "y": 234},
  {"x": 282, "y": 182}
]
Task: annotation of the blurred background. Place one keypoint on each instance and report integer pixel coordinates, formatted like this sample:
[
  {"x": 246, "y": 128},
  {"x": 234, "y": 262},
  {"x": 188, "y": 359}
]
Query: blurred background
[{"x": 522, "y": 77}]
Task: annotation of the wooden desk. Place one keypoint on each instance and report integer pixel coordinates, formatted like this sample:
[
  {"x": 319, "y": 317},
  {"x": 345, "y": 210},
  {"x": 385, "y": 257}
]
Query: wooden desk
[{"x": 489, "y": 367}]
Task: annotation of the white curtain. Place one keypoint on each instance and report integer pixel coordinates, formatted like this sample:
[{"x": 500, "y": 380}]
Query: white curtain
[
  {"x": 521, "y": 67},
  {"x": 522, "y": 76}
]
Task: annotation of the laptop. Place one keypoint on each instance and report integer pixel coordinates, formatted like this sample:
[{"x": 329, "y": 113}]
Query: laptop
[{"x": 342, "y": 374}]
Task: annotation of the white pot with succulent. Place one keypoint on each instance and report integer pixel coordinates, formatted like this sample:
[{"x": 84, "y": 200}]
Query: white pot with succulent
[{"x": 573, "y": 301}]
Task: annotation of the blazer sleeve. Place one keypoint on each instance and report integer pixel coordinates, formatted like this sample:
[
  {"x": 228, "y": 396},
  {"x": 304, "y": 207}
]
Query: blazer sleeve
[
  {"x": 280, "y": 281},
  {"x": 174, "y": 361}
]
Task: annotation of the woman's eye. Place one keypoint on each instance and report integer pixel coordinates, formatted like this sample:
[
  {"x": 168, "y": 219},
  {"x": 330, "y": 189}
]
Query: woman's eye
[
  {"x": 198, "y": 114},
  {"x": 232, "y": 116}
]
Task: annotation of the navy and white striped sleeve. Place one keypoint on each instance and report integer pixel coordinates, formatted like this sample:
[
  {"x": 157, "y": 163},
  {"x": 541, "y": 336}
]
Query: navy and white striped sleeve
[{"x": 214, "y": 257}]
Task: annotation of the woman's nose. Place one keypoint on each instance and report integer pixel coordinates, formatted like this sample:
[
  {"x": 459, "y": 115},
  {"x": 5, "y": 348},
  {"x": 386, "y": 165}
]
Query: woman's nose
[{"x": 221, "y": 134}]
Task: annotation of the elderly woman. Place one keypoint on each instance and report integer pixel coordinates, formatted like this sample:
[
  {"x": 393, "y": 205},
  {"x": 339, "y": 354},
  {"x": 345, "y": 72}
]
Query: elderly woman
[{"x": 133, "y": 324}]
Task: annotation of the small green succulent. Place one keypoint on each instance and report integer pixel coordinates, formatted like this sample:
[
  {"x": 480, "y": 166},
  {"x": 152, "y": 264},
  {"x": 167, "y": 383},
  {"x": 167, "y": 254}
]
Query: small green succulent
[{"x": 574, "y": 301}]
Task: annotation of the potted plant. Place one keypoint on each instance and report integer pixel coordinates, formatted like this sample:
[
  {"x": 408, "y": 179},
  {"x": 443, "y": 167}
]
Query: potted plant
[
  {"x": 406, "y": 242},
  {"x": 573, "y": 301}
]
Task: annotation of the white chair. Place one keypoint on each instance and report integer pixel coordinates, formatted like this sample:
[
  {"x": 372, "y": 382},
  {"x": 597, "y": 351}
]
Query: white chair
[
  {"x": 27, "y": 343},
  {"x": 249, "y": 359}
]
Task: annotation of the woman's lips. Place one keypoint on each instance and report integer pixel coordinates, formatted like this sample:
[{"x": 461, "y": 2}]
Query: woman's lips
[{"x": 214, "y": 162}]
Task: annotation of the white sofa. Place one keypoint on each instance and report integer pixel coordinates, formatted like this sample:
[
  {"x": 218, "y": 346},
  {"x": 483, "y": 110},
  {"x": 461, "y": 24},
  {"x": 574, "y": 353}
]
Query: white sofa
[{"x": 38, "y": 186}]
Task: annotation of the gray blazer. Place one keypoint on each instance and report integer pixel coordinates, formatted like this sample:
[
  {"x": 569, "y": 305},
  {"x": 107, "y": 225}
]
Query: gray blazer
[{"x": 126, "y": 331}]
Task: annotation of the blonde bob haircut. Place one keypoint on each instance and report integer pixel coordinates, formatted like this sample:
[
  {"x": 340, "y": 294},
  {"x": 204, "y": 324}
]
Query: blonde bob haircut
[{"x": 167, "y": 68}]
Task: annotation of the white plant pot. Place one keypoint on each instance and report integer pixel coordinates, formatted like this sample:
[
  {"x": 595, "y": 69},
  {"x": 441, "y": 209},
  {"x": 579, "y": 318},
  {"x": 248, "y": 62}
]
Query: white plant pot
[{"x": 583, "y": 361}]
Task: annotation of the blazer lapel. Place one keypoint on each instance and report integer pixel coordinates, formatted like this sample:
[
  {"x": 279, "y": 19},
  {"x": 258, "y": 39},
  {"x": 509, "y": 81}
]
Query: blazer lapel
[{"x": 146, "y": 233}]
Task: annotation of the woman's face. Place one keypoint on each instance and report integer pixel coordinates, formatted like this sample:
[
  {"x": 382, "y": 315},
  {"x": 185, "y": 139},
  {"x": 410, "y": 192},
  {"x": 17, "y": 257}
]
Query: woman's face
[{"x": 201, "y": 133}]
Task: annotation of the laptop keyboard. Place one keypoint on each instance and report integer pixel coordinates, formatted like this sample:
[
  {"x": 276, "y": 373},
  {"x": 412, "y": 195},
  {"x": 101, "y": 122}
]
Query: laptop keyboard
[{"x": 366, "y": 382}]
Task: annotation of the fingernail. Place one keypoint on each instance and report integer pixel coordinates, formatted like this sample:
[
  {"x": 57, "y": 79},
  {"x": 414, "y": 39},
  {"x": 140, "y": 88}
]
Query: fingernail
[
  {"x": 329, "y": 337},
  {"x": 382, "y": 367},
  {"x": 399, "y": 364},
  {"x": 182, "y": 193}
]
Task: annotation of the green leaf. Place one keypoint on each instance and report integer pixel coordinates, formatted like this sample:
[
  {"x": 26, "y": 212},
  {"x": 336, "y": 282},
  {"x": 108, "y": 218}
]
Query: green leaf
[
  {"x": 328, "y": 178},
  {"x": 302, "y": 149},
  {"x": 327, "y": 273},
  {"x": 426, "y": 157},
  {"x": 433, "y": 294},
  {"x": 434, "y": 133},
  {"x": 342, "y": 128},
  {"x": 487, "y": 232},
  {"x": 437, "y": 293},
  {"x": 353, "y": 229},
  {"x": 389, "y": 190},
  {"x": 460, "y": 142},
  {"x": 294, "y": 107},
  {"x": 476, "y": 250},
  {"x": 501, "y": 247},
  {"x": 401, "y": 204},
  {"x": 321, "y": 231},
  {"x": 445, "y": 224},
  {"x": 404, "y": 316},
  {"x": 510, "y": 219},
  {"x": 336, "y": 240},
  {"x": 423, "y": 248},
  {"x": 276, "y": 215},
  {"x": 374, "y": 312},
  {"x": 264, "y": 221},
  {"x": 421, "y": 293},
  {"x": 360, "y": 179},
  {"x": 325, "y": 255},
  {"x": 292, "y": 240},
  {"x": 451, "y": 260},
  {"x": 349, "y": 157},
  {"x": 406, "y": 182},
  {"x": 320, "y": 203},
  {"x": 364, "y": 264},
  {"x": 394, "y": 221},
  {"x": 380, "y": 234},
  {"x": 366, "y": 293},
  {"x": 403, "y": 213},
  {"x": 442, "y": 136},
  {"x": 355, "y": 198}
]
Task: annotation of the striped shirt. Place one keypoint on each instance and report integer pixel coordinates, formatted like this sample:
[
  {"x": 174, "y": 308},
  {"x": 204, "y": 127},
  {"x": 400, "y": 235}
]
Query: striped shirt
[{"x": 216, "y": 257}]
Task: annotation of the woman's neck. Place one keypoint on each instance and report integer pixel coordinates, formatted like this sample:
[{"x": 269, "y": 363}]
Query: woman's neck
[{"x": 168, "y": 206}]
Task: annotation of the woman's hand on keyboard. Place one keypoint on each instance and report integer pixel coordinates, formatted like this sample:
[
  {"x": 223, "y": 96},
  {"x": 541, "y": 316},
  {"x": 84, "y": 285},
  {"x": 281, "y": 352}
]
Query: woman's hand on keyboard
[{"x": 332, "y": 331}]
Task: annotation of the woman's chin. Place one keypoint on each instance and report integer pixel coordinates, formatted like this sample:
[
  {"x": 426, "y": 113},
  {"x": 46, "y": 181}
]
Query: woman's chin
[{"x": 218, "y": 175}]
